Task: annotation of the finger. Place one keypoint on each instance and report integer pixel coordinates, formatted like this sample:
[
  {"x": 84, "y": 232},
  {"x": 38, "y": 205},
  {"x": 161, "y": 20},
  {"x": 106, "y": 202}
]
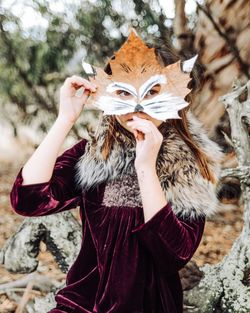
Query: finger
[
  {"x": 137, "y": 118},
  {"x": 142, "y": 122},
  {"x": 141, "y": 136},
  {"x": 76, "y": 86},
  {"x": 77, "y": 81},
  {"x": 79, "y": 92},
  {"x": 138, "y": 124},
  {"x": 138, "y": 135},
  {"x": 150, "y": 124},
  {"x": 135, "y": 132},
  {"x": 147, "y": 132}
]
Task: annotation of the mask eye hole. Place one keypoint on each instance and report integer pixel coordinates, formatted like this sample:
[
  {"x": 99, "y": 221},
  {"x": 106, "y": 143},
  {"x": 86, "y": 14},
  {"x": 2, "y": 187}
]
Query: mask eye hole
[
  {"x": 155, "y": 90},
  {"x": 123, "y": 94}
]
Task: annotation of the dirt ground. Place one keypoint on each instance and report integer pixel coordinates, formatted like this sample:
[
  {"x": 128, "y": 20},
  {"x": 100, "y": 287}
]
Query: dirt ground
[{"x": 217, "y": 240}]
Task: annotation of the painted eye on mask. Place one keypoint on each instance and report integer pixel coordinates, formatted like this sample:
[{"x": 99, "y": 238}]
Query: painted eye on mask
[
  {"x": 124, "y": 94},
  {"x": 153, "y": 92}
]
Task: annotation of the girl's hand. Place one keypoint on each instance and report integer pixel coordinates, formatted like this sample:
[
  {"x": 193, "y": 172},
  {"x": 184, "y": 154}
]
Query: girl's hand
[
  {"x": 147, "y": 148},
  {"x": 71, "y": 105}
]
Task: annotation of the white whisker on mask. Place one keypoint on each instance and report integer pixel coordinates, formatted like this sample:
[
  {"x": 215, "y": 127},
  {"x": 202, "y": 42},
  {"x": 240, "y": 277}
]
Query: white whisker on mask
[
  {"x": 163, "y": 106},
  {"x": 113, "y": 106}
]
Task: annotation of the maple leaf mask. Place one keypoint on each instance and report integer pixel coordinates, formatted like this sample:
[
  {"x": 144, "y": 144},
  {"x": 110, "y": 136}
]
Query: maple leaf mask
[{"x": 140, "y": 83}]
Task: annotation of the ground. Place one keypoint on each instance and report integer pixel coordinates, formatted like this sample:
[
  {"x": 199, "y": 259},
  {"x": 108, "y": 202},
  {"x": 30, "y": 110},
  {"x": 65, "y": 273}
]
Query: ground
[{"x": 217, "y": 240}]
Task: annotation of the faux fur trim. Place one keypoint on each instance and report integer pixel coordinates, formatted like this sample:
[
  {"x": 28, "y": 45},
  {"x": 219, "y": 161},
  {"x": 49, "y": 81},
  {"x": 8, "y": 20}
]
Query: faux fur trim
[{"x": 190, "y": 195}]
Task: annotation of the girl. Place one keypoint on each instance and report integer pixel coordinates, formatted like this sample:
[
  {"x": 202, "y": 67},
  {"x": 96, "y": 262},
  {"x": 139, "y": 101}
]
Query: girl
[{"x": 144, "y": 188}]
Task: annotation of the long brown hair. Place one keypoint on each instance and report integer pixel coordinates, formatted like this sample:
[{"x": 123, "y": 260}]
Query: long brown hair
[
  {"x": 167, "y": 55},
  {"x": 201, "y": 158}
]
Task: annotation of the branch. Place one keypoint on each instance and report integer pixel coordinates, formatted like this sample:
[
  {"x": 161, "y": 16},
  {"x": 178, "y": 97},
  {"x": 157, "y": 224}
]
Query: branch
[
  {"x": 239, "y": 113},
  {"x": 180, "y": 20},
  {"x": 242, "y": 172},
  {"x": 40, "y": 282},
  {"x": 231, "y": 43},
  {"x": 25, "y": 298},
  {"x": 28, "y": 83}
]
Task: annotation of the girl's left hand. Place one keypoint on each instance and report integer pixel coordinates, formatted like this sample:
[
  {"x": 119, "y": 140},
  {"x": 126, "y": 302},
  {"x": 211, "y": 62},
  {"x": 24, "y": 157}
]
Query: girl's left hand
[{"x": 147, "y": 149}]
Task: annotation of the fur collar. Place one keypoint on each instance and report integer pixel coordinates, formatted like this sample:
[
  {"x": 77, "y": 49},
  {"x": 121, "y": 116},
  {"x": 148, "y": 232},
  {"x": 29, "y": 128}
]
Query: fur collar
[{"x": 188, "y": 192}]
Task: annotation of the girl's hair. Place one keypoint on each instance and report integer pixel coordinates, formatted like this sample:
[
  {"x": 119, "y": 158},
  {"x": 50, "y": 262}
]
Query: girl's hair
[
  {"x": 167, "y": 55},
  {"x": 201, "y": 158}
]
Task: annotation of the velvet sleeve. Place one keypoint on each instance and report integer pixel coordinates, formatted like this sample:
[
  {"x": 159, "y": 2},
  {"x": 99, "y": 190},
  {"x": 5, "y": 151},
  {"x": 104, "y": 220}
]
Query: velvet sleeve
[
  {"x": 171, "y": 241},
  {"x": 56, "y": 195}
]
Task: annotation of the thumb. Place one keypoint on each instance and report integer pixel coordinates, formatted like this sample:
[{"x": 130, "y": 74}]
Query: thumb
[{"x": 135, "y": 132}]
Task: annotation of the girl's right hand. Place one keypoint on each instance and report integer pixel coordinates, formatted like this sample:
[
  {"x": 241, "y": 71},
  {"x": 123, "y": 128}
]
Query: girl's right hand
[{"x": 71, "y": 105}]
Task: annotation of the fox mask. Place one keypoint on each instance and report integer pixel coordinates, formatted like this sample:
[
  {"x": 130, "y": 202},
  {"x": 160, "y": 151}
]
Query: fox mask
[{"x": 140, "y": 83}]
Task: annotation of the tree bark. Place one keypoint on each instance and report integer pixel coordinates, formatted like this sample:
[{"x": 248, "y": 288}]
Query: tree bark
[
  {"x": 225, "y": 286},
  {"x": 221, "y": 40},
  {"x": 60, "y": 232},
  {"x": 184, "y": 35}
]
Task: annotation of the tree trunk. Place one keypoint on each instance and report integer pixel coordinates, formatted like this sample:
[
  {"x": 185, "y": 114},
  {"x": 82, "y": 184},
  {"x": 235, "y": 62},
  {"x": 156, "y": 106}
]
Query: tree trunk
[
  {"x": 60, "y": 232},
  {"x": 225, "y": 286},
  {"x": 184, "y": 35},
  {"x": 222, "y": 41}
]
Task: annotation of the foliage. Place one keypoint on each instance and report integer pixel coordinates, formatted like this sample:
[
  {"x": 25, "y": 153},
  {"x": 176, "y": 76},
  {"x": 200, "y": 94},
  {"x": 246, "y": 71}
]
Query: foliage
[{"x": 35, "y": 62}]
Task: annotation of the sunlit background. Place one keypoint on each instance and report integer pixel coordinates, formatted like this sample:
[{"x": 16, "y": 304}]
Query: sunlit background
[
  {"x": 45, "y": 41},
  {"x": 42, "y": 42}
]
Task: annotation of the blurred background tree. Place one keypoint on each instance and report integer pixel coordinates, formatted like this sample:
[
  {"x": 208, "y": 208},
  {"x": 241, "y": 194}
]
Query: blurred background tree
[{"x": 34, "y": 62}]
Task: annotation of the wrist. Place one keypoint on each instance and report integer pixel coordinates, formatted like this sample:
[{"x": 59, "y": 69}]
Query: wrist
[
  {"x": 149, "y": 168},
  {"x": 146, "y": 175},
  {"x": 65, "y": 121}
]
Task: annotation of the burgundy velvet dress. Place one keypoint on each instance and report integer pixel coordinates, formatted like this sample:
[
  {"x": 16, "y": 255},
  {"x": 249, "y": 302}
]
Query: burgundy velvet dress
[{"x": 125, "y": 265}]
